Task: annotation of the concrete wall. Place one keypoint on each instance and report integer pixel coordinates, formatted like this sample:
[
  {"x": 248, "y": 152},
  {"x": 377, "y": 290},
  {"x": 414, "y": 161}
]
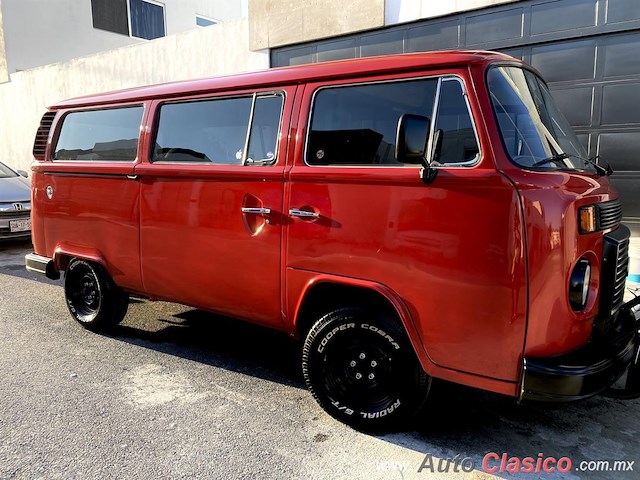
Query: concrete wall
[
  {"x": 40, "y": 32},
  {"x": 276, "y": 22},
  {"x": 204, "y": 52}
]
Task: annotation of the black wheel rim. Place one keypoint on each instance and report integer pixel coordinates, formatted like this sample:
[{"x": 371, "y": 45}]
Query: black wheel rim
[
  {"x": 363, "y": 372},
  {"x": 86, "y": 294}
]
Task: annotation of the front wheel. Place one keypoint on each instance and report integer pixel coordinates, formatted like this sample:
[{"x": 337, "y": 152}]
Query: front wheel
[
  {"x": 361, "y": 368},
  {"x": 93, "y": 299}
]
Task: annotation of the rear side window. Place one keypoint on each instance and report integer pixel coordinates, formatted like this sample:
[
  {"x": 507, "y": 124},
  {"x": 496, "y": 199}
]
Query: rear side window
[
  {"x": 100, "y": 135},
  {"x": 218, "y": 131}
]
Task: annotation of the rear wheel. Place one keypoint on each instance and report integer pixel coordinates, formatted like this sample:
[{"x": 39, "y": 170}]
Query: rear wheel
[
  {"x": 93, "y": 299},
  {"x": 361, "y": 368}
]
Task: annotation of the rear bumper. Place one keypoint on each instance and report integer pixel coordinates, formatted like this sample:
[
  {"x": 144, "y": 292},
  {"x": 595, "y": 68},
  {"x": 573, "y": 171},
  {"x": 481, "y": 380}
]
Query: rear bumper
[
  {"x": 588, "y": 370},
  {"x": 42, "y": 265}
]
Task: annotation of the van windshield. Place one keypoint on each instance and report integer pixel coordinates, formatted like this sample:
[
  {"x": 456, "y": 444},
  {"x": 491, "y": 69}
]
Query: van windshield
[{"x": 535, "y": 133}]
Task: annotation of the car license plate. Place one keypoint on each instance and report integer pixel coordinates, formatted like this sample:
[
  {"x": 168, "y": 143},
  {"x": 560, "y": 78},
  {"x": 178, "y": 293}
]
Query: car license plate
[{"x": 20, "y": 225}]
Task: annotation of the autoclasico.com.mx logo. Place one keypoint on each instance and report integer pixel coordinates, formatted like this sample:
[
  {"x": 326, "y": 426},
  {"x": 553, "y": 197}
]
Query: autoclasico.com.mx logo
[{"x": 495, "y": 463}]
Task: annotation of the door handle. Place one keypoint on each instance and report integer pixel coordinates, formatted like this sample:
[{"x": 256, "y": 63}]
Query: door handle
[
  {"x": 294, "y": 212},
  {"x": 256, "y": 210},
  {"x": 132, "y": 177}
]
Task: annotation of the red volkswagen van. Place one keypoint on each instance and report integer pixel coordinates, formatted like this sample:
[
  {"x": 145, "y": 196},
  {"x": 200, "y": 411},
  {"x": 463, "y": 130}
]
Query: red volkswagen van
[{"x": 410, "y": 217}]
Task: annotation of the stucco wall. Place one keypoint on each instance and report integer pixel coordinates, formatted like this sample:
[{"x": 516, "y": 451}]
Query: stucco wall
[
  {"x": 276, "y": 22},
  {"x": 198, "y": 53}
]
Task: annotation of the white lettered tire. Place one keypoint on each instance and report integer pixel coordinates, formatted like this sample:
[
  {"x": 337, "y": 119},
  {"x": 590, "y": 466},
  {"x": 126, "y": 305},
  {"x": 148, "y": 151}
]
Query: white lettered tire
[
  {"x": 361, "y": 368},
  {"x": 93, "y": 299}
]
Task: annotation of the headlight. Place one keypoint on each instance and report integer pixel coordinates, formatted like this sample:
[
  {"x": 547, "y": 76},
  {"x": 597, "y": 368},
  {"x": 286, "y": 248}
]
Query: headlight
[{"x": 579, "y": 285}]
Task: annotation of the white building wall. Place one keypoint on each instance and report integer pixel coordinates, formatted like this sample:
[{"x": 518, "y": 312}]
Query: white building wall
[
  {"x": 203, "y": 52},
  {"x": 180, "y": 15},
  {"x": 40, "y": 32},
  {"x": 400, "y": 11}
]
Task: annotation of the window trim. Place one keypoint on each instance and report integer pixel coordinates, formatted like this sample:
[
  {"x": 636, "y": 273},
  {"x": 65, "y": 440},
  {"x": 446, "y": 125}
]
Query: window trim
[
  {"x": 440, "y": 78},
  {"x": 164, "y": 19},
  {"x": 60, "y": 124},
  {"x": 465, "y": 95},
  {"x": 253, "y": 96}
]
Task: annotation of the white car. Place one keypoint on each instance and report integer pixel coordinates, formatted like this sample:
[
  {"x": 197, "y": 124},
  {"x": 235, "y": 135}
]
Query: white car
[{"x": 15, "y": 203}]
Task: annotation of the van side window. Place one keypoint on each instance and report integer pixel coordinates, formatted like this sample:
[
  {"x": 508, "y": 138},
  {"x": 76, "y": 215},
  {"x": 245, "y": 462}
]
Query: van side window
[
  {"x": 100, "y": 135},
  {"x": 356, "y": 125},
  {"x": 458, "y": 142},
  {"x": 215, "y": 131}
]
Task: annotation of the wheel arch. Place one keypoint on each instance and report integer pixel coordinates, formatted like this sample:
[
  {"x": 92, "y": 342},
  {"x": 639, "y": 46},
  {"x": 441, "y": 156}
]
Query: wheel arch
[
  {"x": 325, "y": 293},
  {"x": 63, "y": 255}
]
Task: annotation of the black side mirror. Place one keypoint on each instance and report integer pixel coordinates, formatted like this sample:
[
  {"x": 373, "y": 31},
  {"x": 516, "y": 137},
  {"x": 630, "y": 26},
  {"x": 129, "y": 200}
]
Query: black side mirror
[{"x": 412, "y": 138}]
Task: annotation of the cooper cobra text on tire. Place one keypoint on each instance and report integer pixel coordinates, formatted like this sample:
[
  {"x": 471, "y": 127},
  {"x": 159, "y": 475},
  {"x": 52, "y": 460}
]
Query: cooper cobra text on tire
[
  {"x": 361, "y": 368},
  {"x": 93, "y": 299}
]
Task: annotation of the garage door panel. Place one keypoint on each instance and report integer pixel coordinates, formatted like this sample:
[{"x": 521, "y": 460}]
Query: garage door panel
[
  {"x": 621, "y": 104},
  {"x": 385, "y": 43},
  {"x": 565, "y": 61},
  {"x": 437, "y": 36},
  {"x": 621, "y": 55},
  {"x": 494, "y": 26},
  {"x": 575, "y": 103},
  {"x": 562, "y": 15},
  {"x": 620, "y": 11},
  {"x": 620, "y": 149}
]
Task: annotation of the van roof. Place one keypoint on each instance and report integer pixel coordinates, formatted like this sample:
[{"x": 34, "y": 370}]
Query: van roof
[{"x": 291, "y": 75}]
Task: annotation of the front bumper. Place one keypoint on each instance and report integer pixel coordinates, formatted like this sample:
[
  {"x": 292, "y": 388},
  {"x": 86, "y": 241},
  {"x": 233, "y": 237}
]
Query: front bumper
[{"x": 590, "y": 369}]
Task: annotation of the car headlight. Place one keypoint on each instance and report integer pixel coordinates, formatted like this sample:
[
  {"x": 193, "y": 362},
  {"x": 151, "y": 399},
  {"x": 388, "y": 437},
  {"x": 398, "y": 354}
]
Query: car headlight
[{"x": 579, "y": 285}]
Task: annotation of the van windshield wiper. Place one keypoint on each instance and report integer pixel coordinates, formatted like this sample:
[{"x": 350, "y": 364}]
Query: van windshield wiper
[
  {"x": 563, "y": 156},
  {"x": 558, "y": 158},
  {"x": 599, "y": 168}
]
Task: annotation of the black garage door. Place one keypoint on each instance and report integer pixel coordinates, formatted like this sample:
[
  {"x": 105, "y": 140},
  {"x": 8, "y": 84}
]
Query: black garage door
[{"x": 587, "y": 50}]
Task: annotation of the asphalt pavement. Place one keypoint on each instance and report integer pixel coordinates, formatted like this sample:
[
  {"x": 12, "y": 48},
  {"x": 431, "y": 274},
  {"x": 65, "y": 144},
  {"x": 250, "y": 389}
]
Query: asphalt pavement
[{"x": 175, "y": 392}]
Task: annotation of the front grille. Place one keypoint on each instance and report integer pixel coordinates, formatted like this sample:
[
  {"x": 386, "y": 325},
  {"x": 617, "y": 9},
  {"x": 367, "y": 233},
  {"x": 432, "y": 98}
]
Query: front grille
[
  {"x": 42, "y": 135},
  {"x": 615, "y": 268},
  {"x": 609, "y": 214},
  {"x": 15, "y": 214},
  {"x": 622, "y": 270}
]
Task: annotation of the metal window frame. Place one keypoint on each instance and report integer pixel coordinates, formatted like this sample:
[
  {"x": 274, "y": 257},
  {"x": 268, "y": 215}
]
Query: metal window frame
[{"x": 164, "y": 18}]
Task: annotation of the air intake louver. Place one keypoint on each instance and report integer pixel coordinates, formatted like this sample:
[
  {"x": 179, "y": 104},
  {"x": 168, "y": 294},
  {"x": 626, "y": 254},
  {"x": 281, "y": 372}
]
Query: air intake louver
[
  {"x": 40, "y": 143},
  {"x": 615, "y": 263},
  {"x": 609, "y": 214}
]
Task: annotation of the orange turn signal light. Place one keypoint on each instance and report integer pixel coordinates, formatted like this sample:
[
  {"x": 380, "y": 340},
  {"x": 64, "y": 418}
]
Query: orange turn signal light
[{"x": 587, "y": 219}]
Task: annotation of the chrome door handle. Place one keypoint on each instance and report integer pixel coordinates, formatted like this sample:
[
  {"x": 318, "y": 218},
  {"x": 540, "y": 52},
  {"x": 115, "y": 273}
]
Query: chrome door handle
[
  {"x": 294, "y": 212},
  {"x": 256, "y": 210}
]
